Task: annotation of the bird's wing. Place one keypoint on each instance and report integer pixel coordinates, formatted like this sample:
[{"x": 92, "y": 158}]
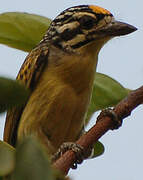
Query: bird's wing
[{"x": 29, "y": 75}]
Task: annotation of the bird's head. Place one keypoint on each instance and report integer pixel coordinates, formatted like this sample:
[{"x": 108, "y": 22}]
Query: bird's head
[{"x": 79, "y": 26}]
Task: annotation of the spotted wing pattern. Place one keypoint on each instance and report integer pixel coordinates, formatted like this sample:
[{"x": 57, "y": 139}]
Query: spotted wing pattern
[{"x": 29, "y": 75}]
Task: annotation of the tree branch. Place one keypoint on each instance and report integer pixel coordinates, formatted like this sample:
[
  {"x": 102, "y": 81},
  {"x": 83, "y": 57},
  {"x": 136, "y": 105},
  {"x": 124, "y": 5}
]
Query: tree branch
[{"x": 122, "y": 110}]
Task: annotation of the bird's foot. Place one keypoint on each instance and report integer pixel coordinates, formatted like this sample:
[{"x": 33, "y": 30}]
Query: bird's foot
[
  {"x": 77, "y": 149},
  {"x": 117, "y": 122}
]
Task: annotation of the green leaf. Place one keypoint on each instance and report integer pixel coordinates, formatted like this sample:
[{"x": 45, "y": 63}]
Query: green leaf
[
  {"x": 98, "y": 149},
  {"x": 12, "y": 93},
  {"x": 32, "y": 162},
  {"x": 106, "y": 93},
  {"x": 7, "y": 158},
  {"x": 22, "y": 30}
]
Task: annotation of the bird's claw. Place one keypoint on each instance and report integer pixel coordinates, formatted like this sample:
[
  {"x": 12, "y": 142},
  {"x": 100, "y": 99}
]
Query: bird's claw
[
  {"x": 79, "y": 153},
  {"x": 117, "y": 122}
]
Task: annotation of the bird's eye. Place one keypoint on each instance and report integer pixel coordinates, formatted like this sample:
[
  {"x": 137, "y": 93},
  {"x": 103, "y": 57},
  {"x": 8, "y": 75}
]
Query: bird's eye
[{"x": 87, "y": 22}]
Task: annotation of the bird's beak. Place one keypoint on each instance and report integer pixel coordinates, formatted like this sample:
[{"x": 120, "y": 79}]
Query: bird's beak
[{"x": 117, "y": 28}]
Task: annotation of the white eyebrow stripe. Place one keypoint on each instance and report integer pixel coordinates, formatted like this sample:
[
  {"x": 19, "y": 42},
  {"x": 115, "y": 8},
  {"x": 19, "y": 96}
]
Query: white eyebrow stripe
[
  {"x": 60, "y": 17},
  {"x": 78, "y": 38},
  {"x": 68, "y": 14},
  {"x": 72, "y": 25},
  {"x": 80, "y": 14}
]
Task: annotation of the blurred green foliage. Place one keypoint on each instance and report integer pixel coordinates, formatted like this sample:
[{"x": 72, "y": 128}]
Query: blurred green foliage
[
  {"x": 12, "y": 93},
  {"x": 22, "y": 30}
]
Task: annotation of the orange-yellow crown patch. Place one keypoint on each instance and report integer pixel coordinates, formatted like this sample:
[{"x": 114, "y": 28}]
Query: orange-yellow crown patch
[{"x": 99, "y": 10}]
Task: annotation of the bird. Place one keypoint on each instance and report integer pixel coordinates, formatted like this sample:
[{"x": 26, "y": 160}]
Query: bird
[{"x": 59, "y": 72}]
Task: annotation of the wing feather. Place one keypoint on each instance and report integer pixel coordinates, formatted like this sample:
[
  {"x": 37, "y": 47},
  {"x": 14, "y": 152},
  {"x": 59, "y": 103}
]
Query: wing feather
[{"x": 29, "y": 75}]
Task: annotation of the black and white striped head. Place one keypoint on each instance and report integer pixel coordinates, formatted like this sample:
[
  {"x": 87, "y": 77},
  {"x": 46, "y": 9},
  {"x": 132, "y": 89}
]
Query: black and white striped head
[{"x": 77, "y": 26}]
